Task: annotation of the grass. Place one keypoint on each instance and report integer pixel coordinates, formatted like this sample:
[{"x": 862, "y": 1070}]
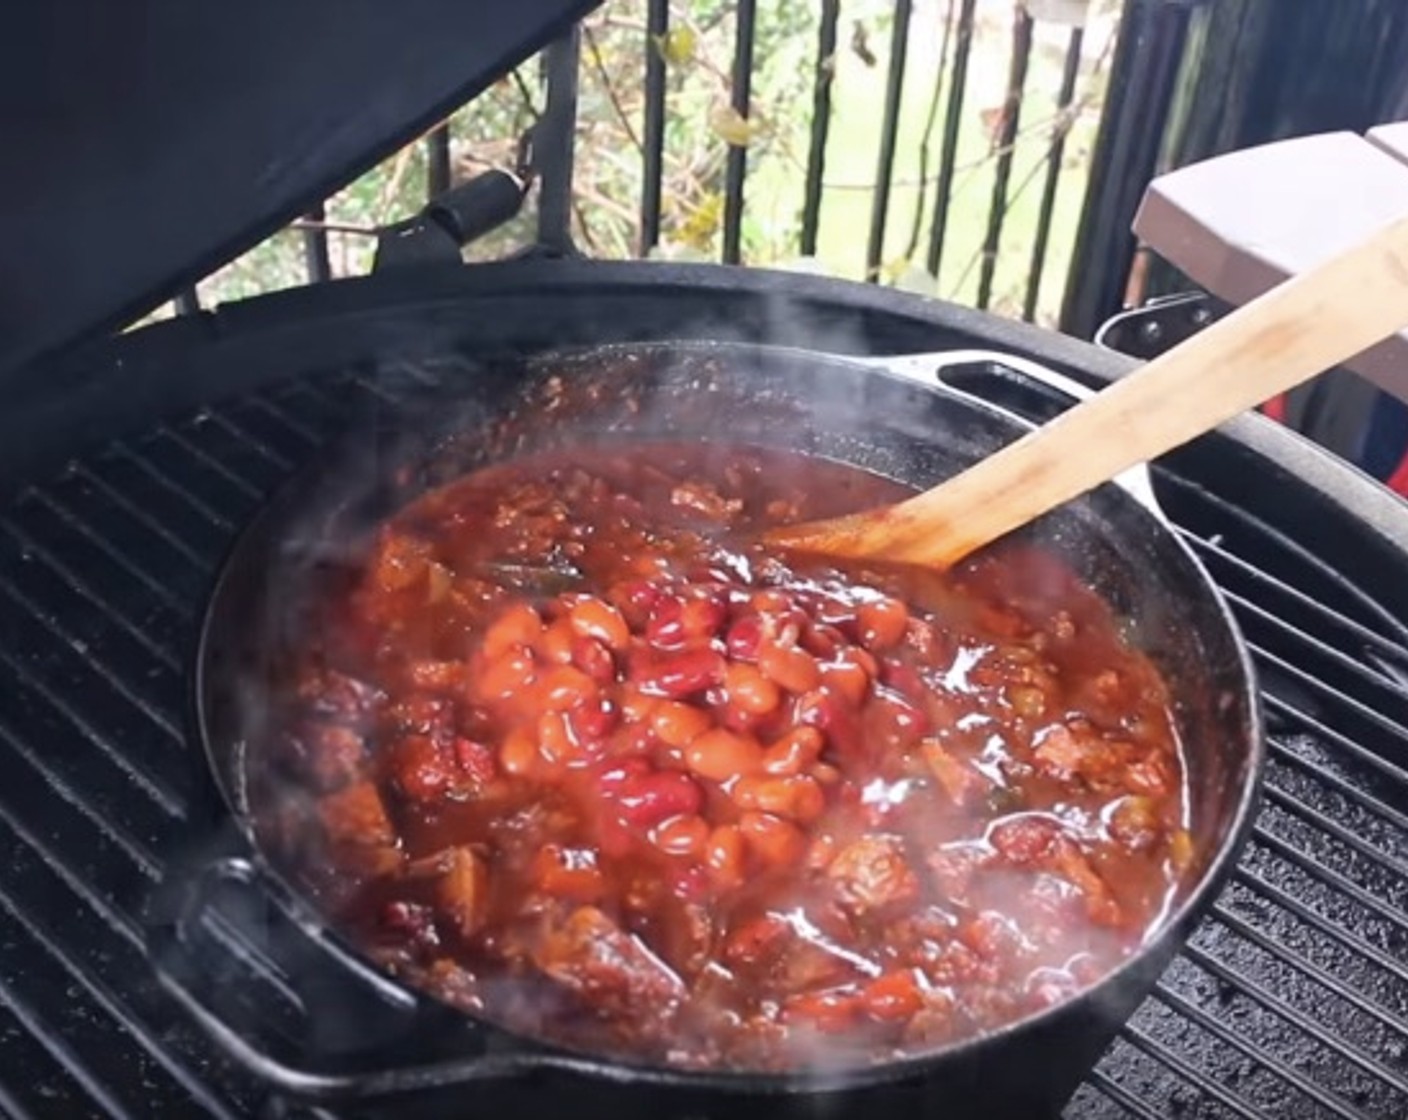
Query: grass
[{"x": 853, "y": 150}]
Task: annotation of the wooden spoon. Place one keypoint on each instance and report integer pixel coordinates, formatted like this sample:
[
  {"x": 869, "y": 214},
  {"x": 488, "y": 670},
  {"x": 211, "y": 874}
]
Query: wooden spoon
[{"x": 1301, "y": 327}]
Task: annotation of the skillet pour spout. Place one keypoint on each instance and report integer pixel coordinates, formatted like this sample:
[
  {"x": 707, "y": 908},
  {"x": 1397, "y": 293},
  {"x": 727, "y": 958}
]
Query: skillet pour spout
[{"x": 916, "y": 420}]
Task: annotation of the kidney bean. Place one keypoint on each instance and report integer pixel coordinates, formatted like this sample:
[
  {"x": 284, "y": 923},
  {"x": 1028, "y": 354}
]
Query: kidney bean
[
  {"x": 788, "y": 666},
  {"x": 749, "y": 689},
  {"x": 593, "y": 618},
  {"x": 678, "y": 622},
  {"x": 593, "y": 721},
  {"x": 865, "y": 659},
  {"x": 665, "y": 627},
  {"x": 839, "y": 722},
  {"x": 724, "y": 855},
  {"x": 634, "y": 739},
  {"x": 891, "y": 721},
  {"x": 894, "y": 997},
  {"x": 636, "y": 705},
  {"x": 794, "y": 752},
  {"x": 722, "y": 756},
  {"x": 776, "y": 842},
  {"x": 677, "y": 675},
  {"x": 647, "y": 799},
  {"x": 904, "y": 680},
  {"x": 847, "y": 680},
  {"x": 507, "y": 676},
  {"x": 684, "y": 835},
  {"x": 822, "y": 641},
  {"x": 518, "y": 754},
  {"x": 743, "y": 638},
  {"x": 678, "y": 724},
  {"x": 799, "y": 799},
  {"x": 563, "y": 687},
  {"x": 611, "y": 775},
  {"x": 634, "y": 599},
  {"x": 594, "y": 659},
  {"x": 771, "y": 601},
  {"x": 517, "y": 625},
  {"x": 825, "y": 774},
  {"x": 880, "y": 624},
  {"x": 557, "y": 643},
  {"x": 555, "y": 740}
]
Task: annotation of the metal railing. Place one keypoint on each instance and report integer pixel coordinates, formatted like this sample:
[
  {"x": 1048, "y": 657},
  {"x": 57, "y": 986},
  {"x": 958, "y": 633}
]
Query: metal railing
[
  {"x": 1058, "y": 111},
  {"x": 912, "y": 229}
]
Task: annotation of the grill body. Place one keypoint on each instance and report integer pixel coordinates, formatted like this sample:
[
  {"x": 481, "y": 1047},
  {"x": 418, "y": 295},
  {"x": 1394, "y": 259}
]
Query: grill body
[{"x": 127, "y": 470}]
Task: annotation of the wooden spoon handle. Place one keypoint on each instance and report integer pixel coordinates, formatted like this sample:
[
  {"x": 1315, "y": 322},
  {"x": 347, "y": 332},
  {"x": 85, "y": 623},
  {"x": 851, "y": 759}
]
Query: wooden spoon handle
[{"x": 1306, "y": 325}]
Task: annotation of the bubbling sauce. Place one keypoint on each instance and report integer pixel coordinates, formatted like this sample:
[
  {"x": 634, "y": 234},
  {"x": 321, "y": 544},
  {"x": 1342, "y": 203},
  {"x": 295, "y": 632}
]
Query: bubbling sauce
[{"x": 574, "y": 751}]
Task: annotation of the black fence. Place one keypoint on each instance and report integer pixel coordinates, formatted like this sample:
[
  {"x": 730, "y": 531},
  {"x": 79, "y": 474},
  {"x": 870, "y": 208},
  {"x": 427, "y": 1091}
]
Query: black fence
[{"x": 1093, "y": 99}]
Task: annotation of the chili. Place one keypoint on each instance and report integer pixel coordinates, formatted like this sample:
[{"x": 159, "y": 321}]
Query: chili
[{"x": 711, "y": 805}]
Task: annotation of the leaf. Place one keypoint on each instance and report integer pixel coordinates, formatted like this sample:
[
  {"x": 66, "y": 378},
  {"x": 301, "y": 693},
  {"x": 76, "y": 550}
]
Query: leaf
[
  {"x": 677, "y": 45},
  {"x": 699, "y": 228},
  {"x": 732, "y": 126}
]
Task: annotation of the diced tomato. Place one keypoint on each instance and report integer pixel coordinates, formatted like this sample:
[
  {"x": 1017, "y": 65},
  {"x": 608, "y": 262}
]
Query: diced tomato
[{"x": 894, "y": 997}]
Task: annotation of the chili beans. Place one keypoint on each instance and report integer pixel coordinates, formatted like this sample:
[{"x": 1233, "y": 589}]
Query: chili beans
[{"x": 712, "y": 804}]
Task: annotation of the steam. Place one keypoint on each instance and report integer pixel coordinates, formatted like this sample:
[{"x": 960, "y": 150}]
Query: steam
[{"x": 437, "y": 412}]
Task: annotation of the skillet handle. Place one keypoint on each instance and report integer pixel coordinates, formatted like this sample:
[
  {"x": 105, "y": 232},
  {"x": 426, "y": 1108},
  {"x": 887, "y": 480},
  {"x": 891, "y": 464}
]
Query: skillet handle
[
  {"x": 246, "y": 961},
  {"x": 1028, "y": 392}
]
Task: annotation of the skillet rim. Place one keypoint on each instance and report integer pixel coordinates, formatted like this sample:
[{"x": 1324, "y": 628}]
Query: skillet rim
[{"x": 1160, "y": 945}]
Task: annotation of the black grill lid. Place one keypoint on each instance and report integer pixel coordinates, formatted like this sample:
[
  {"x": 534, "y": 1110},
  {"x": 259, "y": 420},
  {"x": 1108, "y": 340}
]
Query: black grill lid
[{"x": 148, "y": 142}]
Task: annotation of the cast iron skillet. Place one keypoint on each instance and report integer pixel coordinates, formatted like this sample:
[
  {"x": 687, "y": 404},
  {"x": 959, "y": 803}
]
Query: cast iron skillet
[{"x": 916, "y": 419}]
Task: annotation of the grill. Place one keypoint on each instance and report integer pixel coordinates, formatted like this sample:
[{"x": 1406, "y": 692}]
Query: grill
[{"x": 1291, "y": 999}]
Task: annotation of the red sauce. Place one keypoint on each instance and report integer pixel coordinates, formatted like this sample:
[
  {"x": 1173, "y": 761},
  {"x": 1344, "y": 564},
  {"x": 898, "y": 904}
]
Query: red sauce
[{"x": 708, "y": 805}]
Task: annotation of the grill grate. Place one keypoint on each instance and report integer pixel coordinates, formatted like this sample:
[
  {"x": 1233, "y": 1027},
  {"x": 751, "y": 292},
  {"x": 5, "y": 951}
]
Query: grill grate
[{"x": 1291, "y": 998}]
